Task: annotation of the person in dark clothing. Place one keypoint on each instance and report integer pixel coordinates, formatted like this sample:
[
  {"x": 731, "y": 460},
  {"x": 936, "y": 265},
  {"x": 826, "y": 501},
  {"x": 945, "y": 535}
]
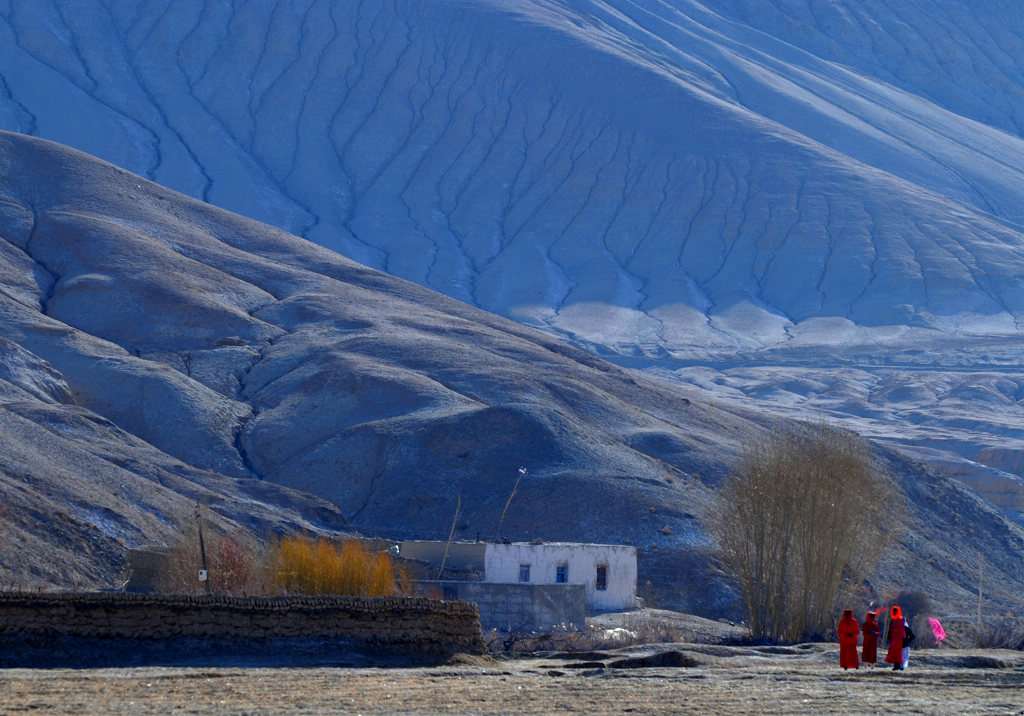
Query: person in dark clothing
[{"x": 871, "y": 631}]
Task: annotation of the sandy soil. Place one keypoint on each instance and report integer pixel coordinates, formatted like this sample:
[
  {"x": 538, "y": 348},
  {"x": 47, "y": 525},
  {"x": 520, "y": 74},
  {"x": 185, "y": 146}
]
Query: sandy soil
[{"x": 705, "y": 679}]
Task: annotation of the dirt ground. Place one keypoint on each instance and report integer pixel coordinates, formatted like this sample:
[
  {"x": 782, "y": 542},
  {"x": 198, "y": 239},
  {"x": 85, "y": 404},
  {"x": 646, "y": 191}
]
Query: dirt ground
[{"x": 665, "y": 679}]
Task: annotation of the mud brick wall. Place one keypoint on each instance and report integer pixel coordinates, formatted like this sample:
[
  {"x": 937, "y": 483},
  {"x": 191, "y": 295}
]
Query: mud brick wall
[{"x": 414, "y": 623}]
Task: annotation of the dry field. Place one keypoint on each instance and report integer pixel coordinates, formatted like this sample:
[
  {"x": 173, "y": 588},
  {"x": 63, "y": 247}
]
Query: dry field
[{"x": 648, "y": 680}]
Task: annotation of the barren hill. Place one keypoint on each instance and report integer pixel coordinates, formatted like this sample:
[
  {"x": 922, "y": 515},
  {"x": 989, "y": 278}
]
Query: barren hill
[
  {"x": 813, "y": 205},
  {"x": 159, "y": 352}
]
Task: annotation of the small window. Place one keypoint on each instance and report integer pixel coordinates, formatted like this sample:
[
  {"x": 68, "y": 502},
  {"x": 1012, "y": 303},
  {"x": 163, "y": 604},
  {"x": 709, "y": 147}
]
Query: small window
[
  {"x": 562, "y": 574},
  {"x": 524, "y": 573},
  {"x": 602, "y": 577}
]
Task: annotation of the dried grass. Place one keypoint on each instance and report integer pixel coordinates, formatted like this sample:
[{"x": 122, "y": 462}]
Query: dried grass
[{"x": 569, "y": 638}]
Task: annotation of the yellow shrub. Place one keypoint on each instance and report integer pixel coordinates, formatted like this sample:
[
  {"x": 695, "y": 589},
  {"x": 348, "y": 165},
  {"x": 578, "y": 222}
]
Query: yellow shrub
[{"x": 302, "y": 565}]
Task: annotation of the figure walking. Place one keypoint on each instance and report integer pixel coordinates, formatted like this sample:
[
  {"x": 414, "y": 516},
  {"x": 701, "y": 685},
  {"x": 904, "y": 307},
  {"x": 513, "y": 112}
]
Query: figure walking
[
  {"x": 871, "y": 631},
  {"x": 848, "y": 631},
  {"x": 908, "y": 639},
  {"x": 937, "y": 631},
  {"x": 896, "y": 635}
]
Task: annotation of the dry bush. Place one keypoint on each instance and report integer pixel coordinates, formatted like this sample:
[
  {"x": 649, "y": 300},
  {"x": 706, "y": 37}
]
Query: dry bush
[
  {"x": 239, "y": 566},
  {"x": 405, "y": 581},
  {"x": 917, "y": 607},
  {"x": 303, "y": 565},
  {"x": 799, "y": 523},
  {"x": 233, "y": 563},
  {"x": 232, "y": 567},
  {"x": 924, "y": 637},
  {"x": 1001, "y": 634},
  {"x": 914, "y": 603}
]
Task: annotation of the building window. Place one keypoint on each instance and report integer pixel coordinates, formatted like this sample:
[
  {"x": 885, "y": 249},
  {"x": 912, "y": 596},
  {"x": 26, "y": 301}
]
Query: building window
[
  {"x": 524, "y": 573},
  {"x": 602, "y": 577},
  {"x": 562, "y": 574}
]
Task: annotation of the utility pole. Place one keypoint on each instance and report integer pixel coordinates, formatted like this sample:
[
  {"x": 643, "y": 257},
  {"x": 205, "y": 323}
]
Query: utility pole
[
  {"x": 501, "y": 521},
  {"x": 981, "y": 573},
  {"x": 455, "y": 519},
  {"x": 204, "y": 574}
]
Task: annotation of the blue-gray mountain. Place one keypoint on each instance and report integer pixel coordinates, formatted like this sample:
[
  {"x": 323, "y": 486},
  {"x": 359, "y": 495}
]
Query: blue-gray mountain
[
  {"x": 814, "y": 207},
  {"x": 817, "y": 205},
  {"x": 158, "y": 352}
]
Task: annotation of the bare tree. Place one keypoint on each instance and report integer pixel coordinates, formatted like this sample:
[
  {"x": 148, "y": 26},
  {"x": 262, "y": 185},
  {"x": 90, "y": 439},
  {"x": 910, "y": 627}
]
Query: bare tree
[
  {"x": 799, "y": 522},
  {"x": 234, "y": 565}
]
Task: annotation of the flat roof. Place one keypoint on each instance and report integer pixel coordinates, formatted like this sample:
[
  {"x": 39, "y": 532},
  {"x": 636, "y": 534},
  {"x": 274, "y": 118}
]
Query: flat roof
[{"x": 521, "y": 544}]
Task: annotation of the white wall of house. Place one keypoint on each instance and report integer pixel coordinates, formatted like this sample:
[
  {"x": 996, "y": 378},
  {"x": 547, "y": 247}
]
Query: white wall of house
[
  {"x": 504, "y": 562},
  {"x": 454, "y": 555}
]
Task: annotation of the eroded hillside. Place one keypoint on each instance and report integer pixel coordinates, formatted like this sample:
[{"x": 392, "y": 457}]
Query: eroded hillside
[
  {"x": 159, "y": 352},
  {"x": 814, "y": 206}
]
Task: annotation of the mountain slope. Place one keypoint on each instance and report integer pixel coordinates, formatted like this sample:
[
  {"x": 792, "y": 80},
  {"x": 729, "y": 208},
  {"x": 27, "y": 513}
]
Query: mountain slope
[
  {"x": 158, "y": 353},
  {"x": 673, "y": 166},
  {"x": 155, "y": 340},
  {"x": 732, "y": 193}
]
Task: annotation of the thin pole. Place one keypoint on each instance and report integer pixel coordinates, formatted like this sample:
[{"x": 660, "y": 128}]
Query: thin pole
[
  {"x": 981, "y": 573},
  {"x": 458, "y": 506},
  {"x": 501, "y": 521},
  {"x": 202, "y": 548}
]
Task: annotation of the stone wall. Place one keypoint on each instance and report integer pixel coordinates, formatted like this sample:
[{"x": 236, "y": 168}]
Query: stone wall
[
  {"x": 406, "y": 623},
  {"x": 520, "y": 607},
  {"x": 144, "y": 567}
]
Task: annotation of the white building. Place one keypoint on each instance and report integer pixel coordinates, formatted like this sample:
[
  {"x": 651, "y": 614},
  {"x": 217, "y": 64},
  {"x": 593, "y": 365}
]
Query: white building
[{"x": 606, "y": 571}]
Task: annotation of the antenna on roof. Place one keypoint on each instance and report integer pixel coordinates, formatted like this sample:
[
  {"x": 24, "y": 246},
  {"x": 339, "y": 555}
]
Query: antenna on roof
[
  {"x": 522, "y": 474},
  {"x": 458, "y": 506}
]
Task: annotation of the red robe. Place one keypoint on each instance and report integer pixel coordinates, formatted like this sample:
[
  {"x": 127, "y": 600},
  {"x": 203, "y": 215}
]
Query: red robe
[
  {"x": 869, "y": 652},
  {"x": 848, "y": 631},
  {"x": 896, "y": 634}
]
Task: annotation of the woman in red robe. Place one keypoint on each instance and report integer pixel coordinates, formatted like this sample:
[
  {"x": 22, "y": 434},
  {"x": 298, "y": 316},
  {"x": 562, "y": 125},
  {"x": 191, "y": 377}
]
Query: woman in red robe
[
  {"x": 869, "y": 651},
  {"x": 848, "y": 631},
  {"x": 896, "y": 634}
]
